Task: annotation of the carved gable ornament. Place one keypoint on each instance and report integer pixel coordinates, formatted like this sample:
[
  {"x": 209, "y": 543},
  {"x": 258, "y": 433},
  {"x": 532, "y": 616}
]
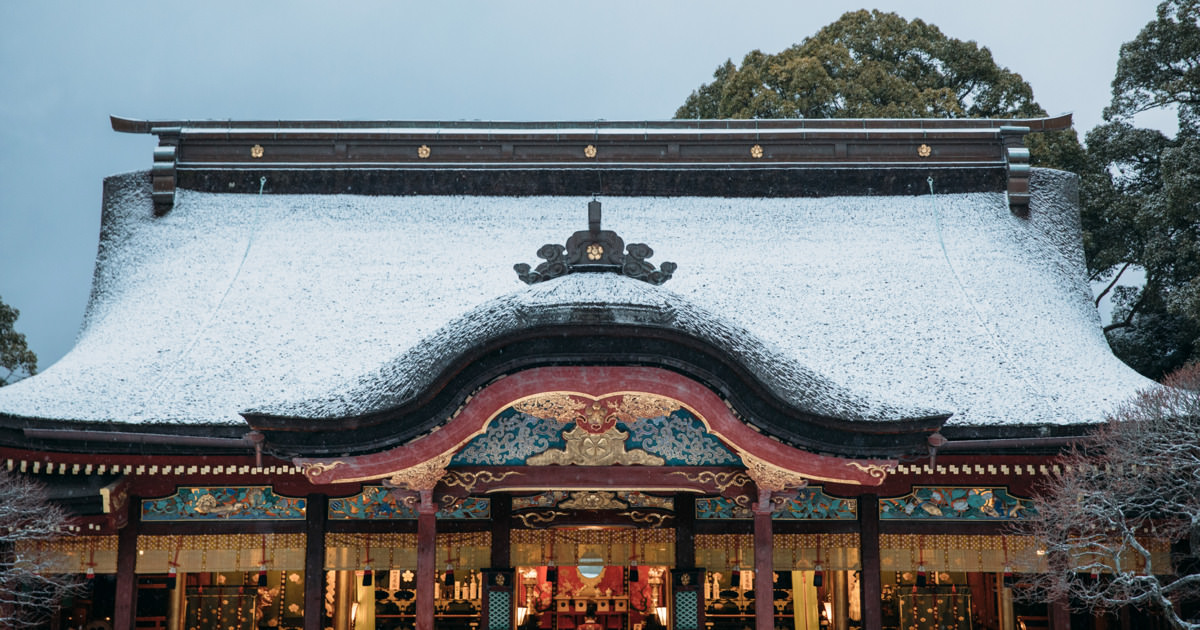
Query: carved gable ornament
[{"x": 594, "y": 249}]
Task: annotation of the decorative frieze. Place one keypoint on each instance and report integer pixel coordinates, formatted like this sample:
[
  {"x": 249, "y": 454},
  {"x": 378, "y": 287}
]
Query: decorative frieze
[
  {"x": 808, "y": 504},
  {"x": 380, "y": 503},
  {"x": 956, "y": 502},
  {"x": 223, "y": 503}
]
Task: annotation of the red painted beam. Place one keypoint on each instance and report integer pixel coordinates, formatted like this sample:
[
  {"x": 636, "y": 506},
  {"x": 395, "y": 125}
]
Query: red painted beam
[{"x": 597, "y": 382}]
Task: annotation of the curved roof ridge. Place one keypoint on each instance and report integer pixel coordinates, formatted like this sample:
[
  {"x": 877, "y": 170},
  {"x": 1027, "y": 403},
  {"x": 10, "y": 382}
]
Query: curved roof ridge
[{"x": 582, "y": 298}]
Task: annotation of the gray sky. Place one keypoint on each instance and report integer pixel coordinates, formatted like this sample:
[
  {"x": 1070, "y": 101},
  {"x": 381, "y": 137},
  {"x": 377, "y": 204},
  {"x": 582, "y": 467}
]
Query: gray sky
[{"x": 65, "y": 66}]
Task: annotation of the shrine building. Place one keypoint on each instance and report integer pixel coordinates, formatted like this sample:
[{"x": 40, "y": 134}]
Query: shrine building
[{"x": 701, "y": 375}]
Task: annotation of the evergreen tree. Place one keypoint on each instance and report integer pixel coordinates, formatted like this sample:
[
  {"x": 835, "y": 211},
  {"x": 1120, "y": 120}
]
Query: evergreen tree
[
  {"x": 1141, "y": 195},
  {"x": 15, "y": 356},
  {"x": 870, "y": 64}
]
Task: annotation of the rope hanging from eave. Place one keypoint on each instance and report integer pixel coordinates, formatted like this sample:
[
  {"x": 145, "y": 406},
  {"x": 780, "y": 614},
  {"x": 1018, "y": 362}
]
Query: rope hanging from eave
[
  {"x": 994, "y": 338},
  {"x": 212, "y": 313}
]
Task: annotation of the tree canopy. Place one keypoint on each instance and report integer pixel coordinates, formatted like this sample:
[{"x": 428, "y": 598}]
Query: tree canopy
[
  {"x": 15, "y": 356},
  {"x": 870, "y": 64},
  {"x": 1141, "y": 195}
]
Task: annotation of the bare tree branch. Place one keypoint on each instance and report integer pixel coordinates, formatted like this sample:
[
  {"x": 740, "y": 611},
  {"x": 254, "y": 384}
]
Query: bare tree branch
[
  {"x": 1112, "y": 284},
  {"x": 1113, "y": 521},
  {"x": 31, "y": 585}
]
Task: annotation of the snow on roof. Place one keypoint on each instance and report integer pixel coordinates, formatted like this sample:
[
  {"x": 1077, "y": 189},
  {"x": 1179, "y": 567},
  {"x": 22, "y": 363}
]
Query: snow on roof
[{"x": 863, "y": 307}]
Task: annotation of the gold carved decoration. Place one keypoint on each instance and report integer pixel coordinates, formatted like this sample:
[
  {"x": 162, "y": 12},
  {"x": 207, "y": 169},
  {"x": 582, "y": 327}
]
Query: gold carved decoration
[
  {"x": 561, "y": 407},
  {"x": 256, "y": 151},
  {"x": 874, "y": 471},
  {"x": 585, "y": 448},
  {"x": 208, "y": 504},
  {"x": 423, "y": 476},
  {"x": 467, "y": 480},
  {"x": 423, "y": 151},
  {"x": 534, "y": 519},
  {"x": 320, "y": 468},
  {"x": 595, "y": 251},
  {"x": 924, "y": 151},
  {"x": 768, "y": 476},
  {"x": 646, "y": 406},
  {"x": 756, "y": 151},
  {"x": 590, "y": 151},
  {"x": 581, "y": 408},
  {"x": 593, "y": 501},
  {"x": 652, "y": 519},
  {"x": 595, "y": 440},
  {"x": 721, "y": 480}
]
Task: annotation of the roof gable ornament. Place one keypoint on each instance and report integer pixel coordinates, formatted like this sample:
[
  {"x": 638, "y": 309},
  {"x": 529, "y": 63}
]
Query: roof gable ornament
[{"x": 594, "y": 249}]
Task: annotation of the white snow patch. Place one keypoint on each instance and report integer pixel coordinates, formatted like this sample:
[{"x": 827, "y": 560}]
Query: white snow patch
[{"x": 844, "y": 305}]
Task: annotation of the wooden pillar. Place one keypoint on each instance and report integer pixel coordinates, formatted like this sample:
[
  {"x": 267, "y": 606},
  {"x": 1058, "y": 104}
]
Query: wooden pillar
[
  {"x": 426, "y": 559},
  {"x": 344, "y": 585},
  {"x": 127, "y": 540},
  {"x": 501, "y": 524},
  {"x": 685, "y": 531},
  {"x": 870, "y": 587},
  {"x": 1060, "y": 615},
  {"x": 175, "y": 605},
  {"x": 1060, "y": 612},
  {"x": 764, "y": 564},
  {"x": 314, "y": 560}
]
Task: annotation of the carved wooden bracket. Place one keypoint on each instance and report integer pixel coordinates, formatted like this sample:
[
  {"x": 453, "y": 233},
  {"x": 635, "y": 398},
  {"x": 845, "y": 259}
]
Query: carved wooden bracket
[
  {"x": 771, "y": 478},
  {"x": 422, "y": 477},
  {"x": 594, "y": 249},
  {"x": 1016, "y": 157}
]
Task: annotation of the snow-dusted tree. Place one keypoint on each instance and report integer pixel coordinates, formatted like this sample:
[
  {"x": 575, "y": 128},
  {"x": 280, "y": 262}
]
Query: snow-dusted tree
[
  {"x": 31, "y": 588},
  {"x": 1137, "y": 480}
]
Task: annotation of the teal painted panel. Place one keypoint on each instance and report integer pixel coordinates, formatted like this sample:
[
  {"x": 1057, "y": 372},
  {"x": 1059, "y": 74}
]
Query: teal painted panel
[
  {"x": 241, "y": 503},
  {"x": 956, "y": 503}
]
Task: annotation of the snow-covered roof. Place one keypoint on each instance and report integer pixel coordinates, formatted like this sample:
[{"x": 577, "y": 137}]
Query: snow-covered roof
[{"x": 867, "y": 308}]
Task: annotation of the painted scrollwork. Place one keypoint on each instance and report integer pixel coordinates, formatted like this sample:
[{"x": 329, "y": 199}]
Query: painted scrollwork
[
  {"x": 538, "y": 519},
  {"x": 653, "y": 519},
  {"x": 316, "y": 469},
  {"x": 875, "y": 471},
  {"x": 593, "y": 501},
  {"x": 721, "y": 480},
  {"x": 468, "y": 480}
]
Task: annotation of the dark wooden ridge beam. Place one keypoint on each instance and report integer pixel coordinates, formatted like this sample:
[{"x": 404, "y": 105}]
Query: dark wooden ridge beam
[{"x": 200, "y": 154}]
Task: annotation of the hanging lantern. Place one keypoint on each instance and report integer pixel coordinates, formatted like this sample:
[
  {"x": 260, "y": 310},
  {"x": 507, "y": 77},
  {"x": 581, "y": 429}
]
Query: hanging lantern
[
  {"x": 449, "y": 576},
  {"x": 551, "y": 573},
  {"x": 735, "y": 578},
  {"x": 1095, "y": 575},
  {"x": 633, "y": 572},
  {"x": 922, "y": 579},
  {"x": 91, "y": 573},
  {"x": 368, "y": 576}
]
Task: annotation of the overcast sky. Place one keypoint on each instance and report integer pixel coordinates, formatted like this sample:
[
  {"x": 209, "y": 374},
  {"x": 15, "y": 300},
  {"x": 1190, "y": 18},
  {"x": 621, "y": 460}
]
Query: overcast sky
[{"x": 66, "y": 66}]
